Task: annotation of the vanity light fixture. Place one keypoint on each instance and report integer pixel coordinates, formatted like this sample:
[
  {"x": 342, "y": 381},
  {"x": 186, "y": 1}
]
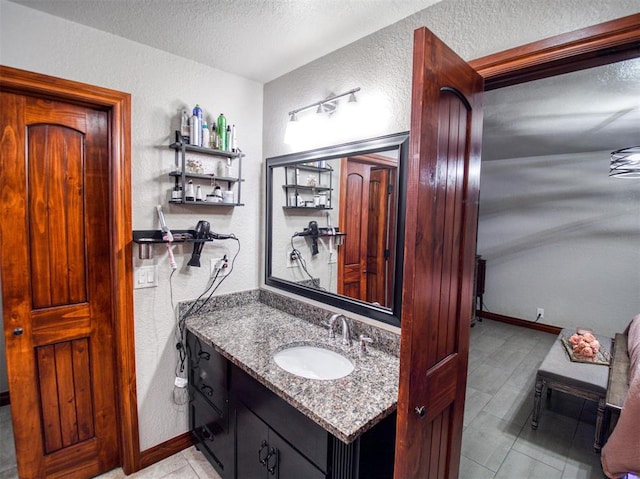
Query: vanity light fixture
[
  {"x": 329, "y": 106},
  {"x": 293, "y": 129},
  {"x": 625, "y": 163}
]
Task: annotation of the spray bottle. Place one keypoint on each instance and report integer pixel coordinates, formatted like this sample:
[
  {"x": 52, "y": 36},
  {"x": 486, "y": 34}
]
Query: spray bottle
[{"x": 222, "y": 128}]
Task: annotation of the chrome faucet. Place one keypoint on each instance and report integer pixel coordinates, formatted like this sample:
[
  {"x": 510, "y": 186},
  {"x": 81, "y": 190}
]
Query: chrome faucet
[{"x": 346, "y": 332}]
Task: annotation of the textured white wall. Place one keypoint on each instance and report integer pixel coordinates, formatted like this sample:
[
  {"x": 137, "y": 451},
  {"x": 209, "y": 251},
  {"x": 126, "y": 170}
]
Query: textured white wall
[
  {"x": 559, "y": 234},
  {"x": 381, "y": 65},
  {"x": 160, "y": 85}
]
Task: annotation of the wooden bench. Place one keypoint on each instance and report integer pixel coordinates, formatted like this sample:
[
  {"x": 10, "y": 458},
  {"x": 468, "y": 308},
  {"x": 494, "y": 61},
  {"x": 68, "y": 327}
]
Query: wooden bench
[{"x": 587, "y": 381}]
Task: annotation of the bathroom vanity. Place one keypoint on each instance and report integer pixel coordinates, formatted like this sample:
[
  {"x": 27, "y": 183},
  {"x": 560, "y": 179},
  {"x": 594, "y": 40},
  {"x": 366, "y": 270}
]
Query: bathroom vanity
[{"x": 252, "y": 419}]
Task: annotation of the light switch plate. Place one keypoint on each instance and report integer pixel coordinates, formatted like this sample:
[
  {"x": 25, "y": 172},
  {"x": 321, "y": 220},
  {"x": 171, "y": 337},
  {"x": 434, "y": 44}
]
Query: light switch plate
[{"x": 146, "y": 277}]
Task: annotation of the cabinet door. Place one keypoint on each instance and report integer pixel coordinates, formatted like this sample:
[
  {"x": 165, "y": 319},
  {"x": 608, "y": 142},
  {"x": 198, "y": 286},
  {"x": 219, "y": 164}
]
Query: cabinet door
[
  {"x": 212, "y": 434},
  {"x": 252, "y": 439},
  {"x": 289, "y": 463}
]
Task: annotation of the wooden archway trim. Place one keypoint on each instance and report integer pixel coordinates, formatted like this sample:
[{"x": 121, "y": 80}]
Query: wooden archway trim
[
  {"x": 597, "y": 45},
  {"x": 118, "y": 104}
]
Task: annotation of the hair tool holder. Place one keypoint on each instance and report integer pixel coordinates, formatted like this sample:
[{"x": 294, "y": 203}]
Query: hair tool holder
[
  {"x": 147, "y": 238},
  {"x": 314, "y": 232}
]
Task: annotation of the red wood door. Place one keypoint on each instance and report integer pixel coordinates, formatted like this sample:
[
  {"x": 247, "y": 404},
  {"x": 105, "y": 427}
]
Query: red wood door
[
  {"x": 440, "y": 236},
  {"x": 56, "y": 286},
  {"x": 354, "y": 211},
  {"x": 377, "y": 237}
]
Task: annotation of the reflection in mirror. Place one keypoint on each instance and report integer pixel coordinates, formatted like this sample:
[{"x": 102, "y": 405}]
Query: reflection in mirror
[{"x": 334, "y": 225}]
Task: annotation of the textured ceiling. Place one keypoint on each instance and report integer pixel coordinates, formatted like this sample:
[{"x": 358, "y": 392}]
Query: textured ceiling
[
  {"x": 589, "y": 110},
  {"x": 256, "y": 39}
]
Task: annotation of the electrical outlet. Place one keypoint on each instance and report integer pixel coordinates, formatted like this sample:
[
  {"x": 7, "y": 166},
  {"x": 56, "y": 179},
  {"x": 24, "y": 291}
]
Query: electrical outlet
[
  {"x": 221, "y": 264},
  {"x": 292, "y": 262},
  {"x": 539, "y": 313}
]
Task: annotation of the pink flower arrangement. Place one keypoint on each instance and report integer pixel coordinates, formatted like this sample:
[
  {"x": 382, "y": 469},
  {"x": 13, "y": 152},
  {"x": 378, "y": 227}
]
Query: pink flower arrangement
[{"x": 585, "y": 345}]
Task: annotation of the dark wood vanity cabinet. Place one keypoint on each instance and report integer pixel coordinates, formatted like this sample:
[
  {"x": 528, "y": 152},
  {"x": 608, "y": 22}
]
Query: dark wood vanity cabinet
[
  {"x": 211, "y": 420},
  {"x": 246, "y": 431}
]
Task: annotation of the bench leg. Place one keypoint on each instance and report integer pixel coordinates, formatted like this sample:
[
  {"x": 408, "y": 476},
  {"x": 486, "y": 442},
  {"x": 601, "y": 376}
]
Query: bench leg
[
  {"x": 536, "y": 402},
  {"x": 597, "y": 445}
]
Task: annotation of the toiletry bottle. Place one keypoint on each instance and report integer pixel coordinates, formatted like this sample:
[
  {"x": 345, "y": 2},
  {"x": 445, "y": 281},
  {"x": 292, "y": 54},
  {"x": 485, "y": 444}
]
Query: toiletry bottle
[
  {"x": 214, "y": 136},
  {"x": 197, "y": 111},
  {"x": 195, "y": 131},
  {"x": 217, "y": 193},
  {"x": 176, "y": 194},
  {"x": 222, "y": 128},
  {"x": 205, "y": 135},
  {"x": 198, "y": 193},
  {"x": 184, "y": 126},
  {"x": 190, "y": 194},
  {"x": 234, "y": 139},
  {"x": 227, "y": 140}
]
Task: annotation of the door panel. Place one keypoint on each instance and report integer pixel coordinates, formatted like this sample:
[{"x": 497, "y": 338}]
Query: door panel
[
  {"x": 55, "y": 164},
  {"x": 56, "y": 286},
  {"x": 442, "y": 200},
  {"x": 354, "y": 208},
  {"x": 377, "y": 242}
]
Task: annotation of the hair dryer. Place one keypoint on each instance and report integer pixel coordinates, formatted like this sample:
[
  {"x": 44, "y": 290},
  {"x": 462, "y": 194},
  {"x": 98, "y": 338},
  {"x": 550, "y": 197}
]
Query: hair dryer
[
  {"x": 311, "y": 230},
  {"x": 201, "y": 233}
]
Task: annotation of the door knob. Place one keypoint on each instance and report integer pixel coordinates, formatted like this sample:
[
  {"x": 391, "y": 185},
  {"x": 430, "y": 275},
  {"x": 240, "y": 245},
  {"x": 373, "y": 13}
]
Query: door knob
[
  {"x": 420, "y": 411},
  {"x": 18, "y": 332}
]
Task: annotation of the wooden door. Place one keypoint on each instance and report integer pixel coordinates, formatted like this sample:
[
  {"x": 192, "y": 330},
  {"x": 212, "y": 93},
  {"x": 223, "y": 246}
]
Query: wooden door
[
  {"x": 440, "y": 234},
  {"x": 377, "y": 237},
  {"x": 56, "y": 286},
  {"x": 354, "y": 210}
]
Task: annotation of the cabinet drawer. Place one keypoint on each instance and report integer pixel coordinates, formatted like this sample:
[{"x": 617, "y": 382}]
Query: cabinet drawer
[
  {"x": 308, "y": 437},
  {"x": 208, "y": 371},
  {"x": 212, "y": 433}
]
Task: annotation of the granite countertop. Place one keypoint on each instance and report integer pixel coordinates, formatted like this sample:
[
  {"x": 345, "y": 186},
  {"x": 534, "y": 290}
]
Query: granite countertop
[{"x": 249, "y": 335}]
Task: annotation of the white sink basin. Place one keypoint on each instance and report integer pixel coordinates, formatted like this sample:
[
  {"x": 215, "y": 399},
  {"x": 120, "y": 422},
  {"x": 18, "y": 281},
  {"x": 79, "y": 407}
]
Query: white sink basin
[{"x": 313, "y": 362}]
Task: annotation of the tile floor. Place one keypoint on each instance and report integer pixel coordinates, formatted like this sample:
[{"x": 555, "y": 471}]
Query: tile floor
[{"x": 498, "y": 441}]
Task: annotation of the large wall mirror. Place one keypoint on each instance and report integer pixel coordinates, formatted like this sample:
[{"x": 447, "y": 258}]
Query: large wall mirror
[{"x": 335, "y": 224}]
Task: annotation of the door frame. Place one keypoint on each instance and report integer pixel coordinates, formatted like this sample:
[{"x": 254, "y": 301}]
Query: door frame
[
  {"x": 118, "y": 106},
  {"x": 600, "y": 44}
]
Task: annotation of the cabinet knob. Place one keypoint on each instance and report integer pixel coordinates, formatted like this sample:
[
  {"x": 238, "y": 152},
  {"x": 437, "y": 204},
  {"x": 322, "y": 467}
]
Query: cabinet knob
[
  {"x": 18, "y": 332},
  {"x": 208, "y": 390},
  {"x": 420, "y": 411},
  {"x": 273, "y": 453},
  {"x": 263, "y": 460},
  {"x": 206, "y": 433}
]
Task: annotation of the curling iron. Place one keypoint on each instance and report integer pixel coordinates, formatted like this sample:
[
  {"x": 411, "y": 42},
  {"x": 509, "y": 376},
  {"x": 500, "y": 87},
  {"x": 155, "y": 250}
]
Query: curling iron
[{"x": 166, "y": 236}]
